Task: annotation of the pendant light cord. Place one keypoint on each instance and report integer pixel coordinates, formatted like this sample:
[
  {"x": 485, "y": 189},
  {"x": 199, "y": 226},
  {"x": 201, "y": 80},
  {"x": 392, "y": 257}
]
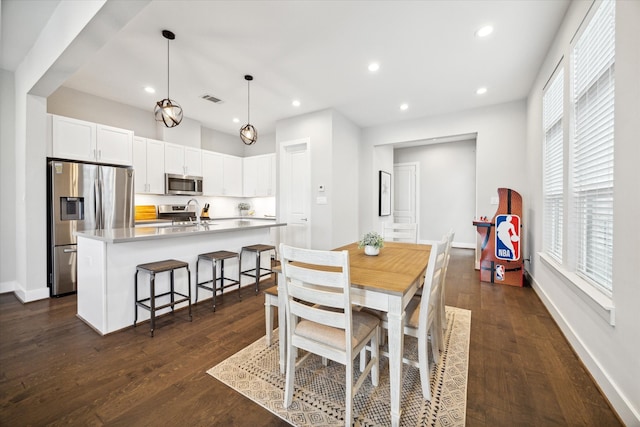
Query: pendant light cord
[
  {"x": 248, "y": 101},
  {"x": 168, "y": 41}
]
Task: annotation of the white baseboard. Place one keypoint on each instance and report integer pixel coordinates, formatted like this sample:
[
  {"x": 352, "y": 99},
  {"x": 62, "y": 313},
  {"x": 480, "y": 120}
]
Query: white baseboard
[
  {"x": 8, "y": 286},
  {"x": 621, "y": 403},
  {"x": 31, "y": 295},
  {"x": 461, "y": 245}
]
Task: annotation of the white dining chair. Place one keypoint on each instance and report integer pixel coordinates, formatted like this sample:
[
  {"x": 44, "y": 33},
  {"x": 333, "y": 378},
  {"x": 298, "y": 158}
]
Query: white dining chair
[
  {"x": 422, "y": 318},
  {"x": 443, "y": 316},
  {"x": 320, "y": 319},
  {"x": 400, "y": 232}
]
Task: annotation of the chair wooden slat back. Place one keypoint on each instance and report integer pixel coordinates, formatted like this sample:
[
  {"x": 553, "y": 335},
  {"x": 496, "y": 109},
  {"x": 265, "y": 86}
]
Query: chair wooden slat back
[
  {"x": 315, "y": 291},
  {"x": 400, "y": 232}
]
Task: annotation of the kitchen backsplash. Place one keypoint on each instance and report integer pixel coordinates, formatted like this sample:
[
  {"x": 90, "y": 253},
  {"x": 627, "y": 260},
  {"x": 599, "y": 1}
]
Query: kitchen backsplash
[{"x": 219, "y": 206}]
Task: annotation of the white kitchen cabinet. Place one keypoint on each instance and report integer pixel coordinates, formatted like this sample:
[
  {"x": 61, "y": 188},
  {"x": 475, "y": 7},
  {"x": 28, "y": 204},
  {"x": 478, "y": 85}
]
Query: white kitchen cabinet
[
  {"x": 81, "y": 140},
  {"x": 182, "y": 160},
  {"x": 232, "y": 175},
  {"x": 258, "y": 176},
  {"x": 212, "y": 173},
  {"x": 148, "y": 162},
  {"x": 193, "y": 161}
]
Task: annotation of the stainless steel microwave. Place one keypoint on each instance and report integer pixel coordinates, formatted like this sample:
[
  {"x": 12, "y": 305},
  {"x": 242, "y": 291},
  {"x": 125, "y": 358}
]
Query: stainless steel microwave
[{"x": 182, "y": 184}]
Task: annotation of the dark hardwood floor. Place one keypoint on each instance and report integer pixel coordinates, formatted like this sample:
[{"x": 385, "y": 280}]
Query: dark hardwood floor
[{"x": 55, "y": 370}]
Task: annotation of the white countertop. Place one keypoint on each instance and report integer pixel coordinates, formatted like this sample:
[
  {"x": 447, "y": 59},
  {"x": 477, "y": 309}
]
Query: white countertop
[{"x": 123, "y": 235}]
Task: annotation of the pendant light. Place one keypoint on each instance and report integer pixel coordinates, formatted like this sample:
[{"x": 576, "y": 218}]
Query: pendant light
[
  {"x": 248, "y": 134},
  {"x": 168, "y": 111}
]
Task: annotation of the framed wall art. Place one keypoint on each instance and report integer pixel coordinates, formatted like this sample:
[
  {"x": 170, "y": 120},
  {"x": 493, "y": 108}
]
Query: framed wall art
[{"x": 384, "y": 193}]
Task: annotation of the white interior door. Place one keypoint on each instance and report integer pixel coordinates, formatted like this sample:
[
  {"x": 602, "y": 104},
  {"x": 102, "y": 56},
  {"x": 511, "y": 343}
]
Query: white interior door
[
  {"x": 405, "y": 192},
  {"x": 295, "y": 171}
]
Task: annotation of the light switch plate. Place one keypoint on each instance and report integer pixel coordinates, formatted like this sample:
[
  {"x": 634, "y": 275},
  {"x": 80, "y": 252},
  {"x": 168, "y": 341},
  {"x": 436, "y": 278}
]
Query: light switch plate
[
  {"x": 495, "y": 200},
  {"x": 321, "y": 200}
]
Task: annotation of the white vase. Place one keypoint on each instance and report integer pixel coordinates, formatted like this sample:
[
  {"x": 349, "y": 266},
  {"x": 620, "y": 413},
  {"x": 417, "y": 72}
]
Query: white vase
[{"x": 371, "y": 250}]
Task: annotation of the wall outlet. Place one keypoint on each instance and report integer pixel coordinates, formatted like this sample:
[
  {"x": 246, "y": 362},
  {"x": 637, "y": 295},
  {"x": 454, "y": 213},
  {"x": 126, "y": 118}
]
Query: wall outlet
[
  {"x": 495, "y": 200},
  {"x": 321, "y": 200}
]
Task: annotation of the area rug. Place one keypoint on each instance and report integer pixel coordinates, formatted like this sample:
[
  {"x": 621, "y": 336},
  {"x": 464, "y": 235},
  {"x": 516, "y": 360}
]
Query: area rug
[{"x": 318, "y": 399}]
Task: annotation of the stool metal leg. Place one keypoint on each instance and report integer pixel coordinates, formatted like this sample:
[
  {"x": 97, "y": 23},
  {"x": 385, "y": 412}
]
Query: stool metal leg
[
  {"x": 152, "y": 300},
  {"x": 135, "y": 299},
  {"x": 197, "y": 277},
  {"x": 239, "y": 270},
  {"x": 257, "y": 271},
  {"x": 172, "y": 295},
  {"x": 214, "y": 283},
  {"x": 189, "y": 293}
]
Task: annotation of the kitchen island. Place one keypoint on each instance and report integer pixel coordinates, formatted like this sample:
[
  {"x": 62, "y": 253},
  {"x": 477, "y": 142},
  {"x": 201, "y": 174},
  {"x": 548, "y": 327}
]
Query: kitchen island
[{"x": 107, "y": 261}]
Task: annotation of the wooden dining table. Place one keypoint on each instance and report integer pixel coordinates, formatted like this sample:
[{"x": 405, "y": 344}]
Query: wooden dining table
[{"x": 384, "y": 282}]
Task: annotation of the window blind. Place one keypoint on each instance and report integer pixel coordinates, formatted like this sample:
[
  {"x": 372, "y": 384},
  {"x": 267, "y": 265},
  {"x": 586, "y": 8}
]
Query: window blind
[
  {"x": 593, "y": 139},
  {"x": 553, "y": 161}
]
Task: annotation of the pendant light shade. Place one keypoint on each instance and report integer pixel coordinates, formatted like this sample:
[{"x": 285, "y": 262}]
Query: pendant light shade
[
  {"x": 167, "y": 110},
  {"x": 248, "y": 133}
]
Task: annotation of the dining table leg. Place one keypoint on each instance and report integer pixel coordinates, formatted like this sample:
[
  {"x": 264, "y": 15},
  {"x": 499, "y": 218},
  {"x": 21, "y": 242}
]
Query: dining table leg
[{"x": 396, "y": 346}]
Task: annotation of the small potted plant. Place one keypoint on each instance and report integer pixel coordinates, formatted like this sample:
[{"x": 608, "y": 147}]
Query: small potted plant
[
  {"x": 243, "y": 207},
  {"x": 372, "y": 243}
]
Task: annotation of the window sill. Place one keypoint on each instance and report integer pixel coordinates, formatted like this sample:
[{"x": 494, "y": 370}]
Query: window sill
[{"x": 601, "y": 303}]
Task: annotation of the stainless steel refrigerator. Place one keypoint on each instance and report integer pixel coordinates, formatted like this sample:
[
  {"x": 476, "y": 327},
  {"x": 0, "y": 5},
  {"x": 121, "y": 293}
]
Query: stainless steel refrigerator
[{"x": 82, "y": 197}]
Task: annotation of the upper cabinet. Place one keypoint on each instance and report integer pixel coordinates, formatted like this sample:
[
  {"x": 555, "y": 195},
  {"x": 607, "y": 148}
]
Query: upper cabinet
[
  {"x": 212, "y": 174},
  {"x": 259, "y": 176},
  {"x": 222, "y": 174},
  {"x": 182, "y": 160},
  {"x": 80, "y": 140},
  {"x": 148, "y": 162}
]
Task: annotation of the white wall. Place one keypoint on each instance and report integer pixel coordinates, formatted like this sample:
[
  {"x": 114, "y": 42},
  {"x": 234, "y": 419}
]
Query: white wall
[
  {"x": 610, "y": 353},
  {"x": 344, "y": 183},
  {"x": 317, "y": 127},
  {"x": 83, "y": 106},
  {"x": 334, "y": 142},
  {"x": 500, "y": 152},
  {"x": 447, "y": 189},
  {"x": 7, "y": 183}
]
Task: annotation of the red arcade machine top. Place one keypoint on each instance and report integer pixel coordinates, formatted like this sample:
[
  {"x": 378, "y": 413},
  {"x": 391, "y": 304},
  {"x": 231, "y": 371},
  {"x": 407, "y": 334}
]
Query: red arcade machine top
[{"x": 501, "y": 255}]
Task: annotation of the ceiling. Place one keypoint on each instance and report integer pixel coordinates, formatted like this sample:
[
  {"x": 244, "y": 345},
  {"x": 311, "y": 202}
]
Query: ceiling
[{"x": 316, "y": 52}]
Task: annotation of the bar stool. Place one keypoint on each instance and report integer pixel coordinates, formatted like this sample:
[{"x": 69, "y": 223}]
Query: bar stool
[
  {"x": 214, "y": 257},
  {"x": 258, "y": 272},
  {"x": 153, "y": 268}
]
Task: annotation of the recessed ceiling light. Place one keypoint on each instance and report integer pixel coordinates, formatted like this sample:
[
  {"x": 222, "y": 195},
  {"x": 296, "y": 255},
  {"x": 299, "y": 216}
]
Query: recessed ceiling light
[
  {"x": 236, "y": 120},
  {"x": 484, "y": 31},
  {"x": 404, "y": 106},
  {"x": 481, "y": 91},
  {"x": 374, "y": 66},
  {"x": 149, "y": 89},
  {"x": 295, "y": 103}
]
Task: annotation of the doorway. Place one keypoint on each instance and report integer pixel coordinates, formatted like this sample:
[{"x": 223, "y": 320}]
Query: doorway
[
  {"x": 406, "y": 191},
  {"x": 295, "y": 171}
]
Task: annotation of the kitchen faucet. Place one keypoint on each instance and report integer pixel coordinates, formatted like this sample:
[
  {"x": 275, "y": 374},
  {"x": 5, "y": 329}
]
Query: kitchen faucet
[{"x": 197, "y": 209}]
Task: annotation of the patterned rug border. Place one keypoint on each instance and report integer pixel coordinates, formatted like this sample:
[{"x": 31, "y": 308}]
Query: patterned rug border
[{"x": 254, "y": 373}]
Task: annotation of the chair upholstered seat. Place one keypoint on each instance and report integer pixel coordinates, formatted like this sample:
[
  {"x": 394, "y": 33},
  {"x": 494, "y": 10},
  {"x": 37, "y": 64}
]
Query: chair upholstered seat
[{"x": 334, "y": 337}]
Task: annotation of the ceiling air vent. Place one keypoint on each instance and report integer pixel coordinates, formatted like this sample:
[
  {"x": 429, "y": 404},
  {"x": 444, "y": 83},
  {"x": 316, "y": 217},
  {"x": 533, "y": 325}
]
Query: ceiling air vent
[{"x": 212, "y": 99}]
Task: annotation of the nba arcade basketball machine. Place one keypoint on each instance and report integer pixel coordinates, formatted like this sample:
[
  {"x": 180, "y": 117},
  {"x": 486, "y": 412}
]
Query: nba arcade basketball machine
[{"x": 500, "y": 241}]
